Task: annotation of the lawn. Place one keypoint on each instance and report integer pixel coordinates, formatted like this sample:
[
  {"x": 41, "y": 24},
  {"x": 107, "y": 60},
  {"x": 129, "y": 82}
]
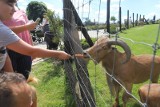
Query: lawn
[
  {"x": 52, "y": 86},
  {"x": 147, "y": 34}
]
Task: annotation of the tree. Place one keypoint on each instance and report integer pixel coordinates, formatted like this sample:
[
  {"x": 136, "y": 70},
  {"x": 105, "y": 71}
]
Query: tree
[
  {"x": 88, "y": 22},
  {"x": 108, "y": 16},
  {"x": 55, "y": 25},
  {"x": 36, "y": 9},
  {"x": 113, "y": 19}
]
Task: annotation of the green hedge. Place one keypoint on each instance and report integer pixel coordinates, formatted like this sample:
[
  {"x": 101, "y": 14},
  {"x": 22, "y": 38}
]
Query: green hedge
[
  {"x": 84, "y": 43},
  {"x": 103, "y": 26},
  {"x": 113, "y": 28}
]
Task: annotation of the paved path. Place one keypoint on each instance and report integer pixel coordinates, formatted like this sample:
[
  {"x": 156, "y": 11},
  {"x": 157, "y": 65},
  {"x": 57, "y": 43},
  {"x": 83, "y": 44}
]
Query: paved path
[
  {"x": 93, "y": 34},
  {"x": 41, "y": 45}
]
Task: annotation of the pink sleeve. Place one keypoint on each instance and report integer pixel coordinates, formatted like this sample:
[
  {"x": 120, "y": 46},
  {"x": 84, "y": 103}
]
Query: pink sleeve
[{"x": 25, "y": 16}]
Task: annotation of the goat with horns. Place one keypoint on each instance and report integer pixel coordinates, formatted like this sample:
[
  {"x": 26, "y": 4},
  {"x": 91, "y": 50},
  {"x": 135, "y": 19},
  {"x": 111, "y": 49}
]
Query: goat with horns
[{"x": 128, "y": 69}]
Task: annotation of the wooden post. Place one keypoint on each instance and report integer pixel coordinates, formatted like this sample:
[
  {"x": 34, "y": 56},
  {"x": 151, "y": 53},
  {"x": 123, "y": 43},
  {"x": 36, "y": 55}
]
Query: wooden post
[
  {"x": 143, "y": 18},
  {"x": 133, "y": 19},
  {"x": 127, "y": 19},
  {"x": 68, "y": 67},
  {"x": 120, "y": 23},
  {"x": 108, "y": 16},
  {"x": 79, "y": 81},
  {"x": 137, "y": 20},
  {"x": 140, "y": 17},
  {"x": 81, "y": 25}
]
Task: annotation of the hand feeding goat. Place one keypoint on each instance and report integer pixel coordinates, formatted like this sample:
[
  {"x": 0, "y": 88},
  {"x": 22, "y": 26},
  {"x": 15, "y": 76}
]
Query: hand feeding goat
[
  {"x": 133, "y": 70},
  {"x": 153, "y": 97}
]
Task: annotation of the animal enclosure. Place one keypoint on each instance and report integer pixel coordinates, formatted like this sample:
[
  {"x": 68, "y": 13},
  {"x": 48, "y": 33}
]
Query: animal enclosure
[{"x": 118, "y": 69}]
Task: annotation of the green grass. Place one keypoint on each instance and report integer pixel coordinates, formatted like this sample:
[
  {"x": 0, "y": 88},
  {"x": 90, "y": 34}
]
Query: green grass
[
  {"x": 147, "y": 34},
  {"x": 51, "y": 87}
]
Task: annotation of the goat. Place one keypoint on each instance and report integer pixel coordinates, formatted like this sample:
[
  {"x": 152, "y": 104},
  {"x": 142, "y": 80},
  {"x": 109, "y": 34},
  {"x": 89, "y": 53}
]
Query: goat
[
  {"x": 153, "y": 97},
  {"x": 133, "y": 70}
]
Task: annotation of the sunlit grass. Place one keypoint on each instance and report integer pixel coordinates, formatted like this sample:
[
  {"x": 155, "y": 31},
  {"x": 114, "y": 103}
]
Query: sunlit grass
[
  {"x": 147, "y": 34},
  {"x": 51, "y": 87}
]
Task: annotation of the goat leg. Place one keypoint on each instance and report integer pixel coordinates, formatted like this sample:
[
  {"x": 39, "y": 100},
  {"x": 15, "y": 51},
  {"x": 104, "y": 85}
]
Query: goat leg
[{"x": 125, "y": 96}]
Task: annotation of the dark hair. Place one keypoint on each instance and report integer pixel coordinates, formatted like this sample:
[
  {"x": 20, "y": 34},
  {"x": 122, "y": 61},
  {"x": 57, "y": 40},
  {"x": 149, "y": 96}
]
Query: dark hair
[{"x": 10, "y": 1}]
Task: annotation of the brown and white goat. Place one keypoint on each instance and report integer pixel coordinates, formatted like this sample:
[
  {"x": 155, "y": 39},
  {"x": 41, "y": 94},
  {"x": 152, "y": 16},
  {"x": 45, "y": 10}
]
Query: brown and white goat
[
  {"x": 153, "y": 98},
  {"x": 133, "y": 70}
]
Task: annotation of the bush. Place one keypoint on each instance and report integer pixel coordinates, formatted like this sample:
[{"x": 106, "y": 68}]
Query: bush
[
  {"x": 55, "y": 25},
  {"x": 113, "y": 28},
  {"x": 123, "y": 28},
  {"x": 158, "y": 21},
  {"x": 95, "y": 27},
  {"x": 84, "y": 43}
]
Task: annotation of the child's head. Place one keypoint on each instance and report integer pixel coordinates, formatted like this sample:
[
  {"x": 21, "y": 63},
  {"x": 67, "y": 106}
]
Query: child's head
[
  {"x": 7, "y": 9},
  {"x": 14, "y": 91}
]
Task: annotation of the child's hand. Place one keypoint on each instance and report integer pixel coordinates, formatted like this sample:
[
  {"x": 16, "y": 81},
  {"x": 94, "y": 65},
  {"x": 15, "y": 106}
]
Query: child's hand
[
  {"x": 63, "y": 55},
  {"x": 31, "y": 25}
]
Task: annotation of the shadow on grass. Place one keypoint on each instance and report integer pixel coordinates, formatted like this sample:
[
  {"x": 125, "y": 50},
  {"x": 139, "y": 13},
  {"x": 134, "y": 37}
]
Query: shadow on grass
[
  {"x": 69, "y": 98},
  {"x": 56, "y": 70},
  {"x": 123, "y": 32},
  {"x": 136, "y": 105}
]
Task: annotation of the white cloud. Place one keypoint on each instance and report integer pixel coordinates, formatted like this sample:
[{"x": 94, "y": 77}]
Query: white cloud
[
  {"x": 101, "y": 17},
  {"x": 22, "y": 4},
  {"x": 157, "y": 6},
  {"x": 114, "y": 8},
  {"x": 50, "y": 6}
]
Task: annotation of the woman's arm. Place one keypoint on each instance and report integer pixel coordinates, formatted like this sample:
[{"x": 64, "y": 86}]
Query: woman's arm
[
  {"x": 21, "y": 28},
  {"x": 21, "y": 47},
  {"x": 31, "y": 40}
]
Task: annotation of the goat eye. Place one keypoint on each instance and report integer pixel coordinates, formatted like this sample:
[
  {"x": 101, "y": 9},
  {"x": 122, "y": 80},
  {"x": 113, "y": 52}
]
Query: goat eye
[{"x": 104, "y": 47}]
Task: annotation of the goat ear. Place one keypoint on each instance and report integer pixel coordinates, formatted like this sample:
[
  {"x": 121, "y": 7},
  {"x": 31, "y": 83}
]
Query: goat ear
[{"x": 104, "y": 47}]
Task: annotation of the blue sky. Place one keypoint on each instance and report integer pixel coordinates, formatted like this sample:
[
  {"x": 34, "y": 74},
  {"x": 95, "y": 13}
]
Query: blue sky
[{"x": 149, "y": 8}]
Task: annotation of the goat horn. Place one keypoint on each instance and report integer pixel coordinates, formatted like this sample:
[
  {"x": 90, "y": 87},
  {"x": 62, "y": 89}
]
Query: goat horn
[{"x": 124, "y": 46}]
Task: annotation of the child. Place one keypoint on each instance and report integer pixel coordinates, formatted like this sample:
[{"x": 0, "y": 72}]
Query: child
[{"x": 10, "y": 40}]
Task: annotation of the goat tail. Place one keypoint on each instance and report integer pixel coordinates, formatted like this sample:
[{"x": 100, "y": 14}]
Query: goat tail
[{"x": 32, "y": 79}]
